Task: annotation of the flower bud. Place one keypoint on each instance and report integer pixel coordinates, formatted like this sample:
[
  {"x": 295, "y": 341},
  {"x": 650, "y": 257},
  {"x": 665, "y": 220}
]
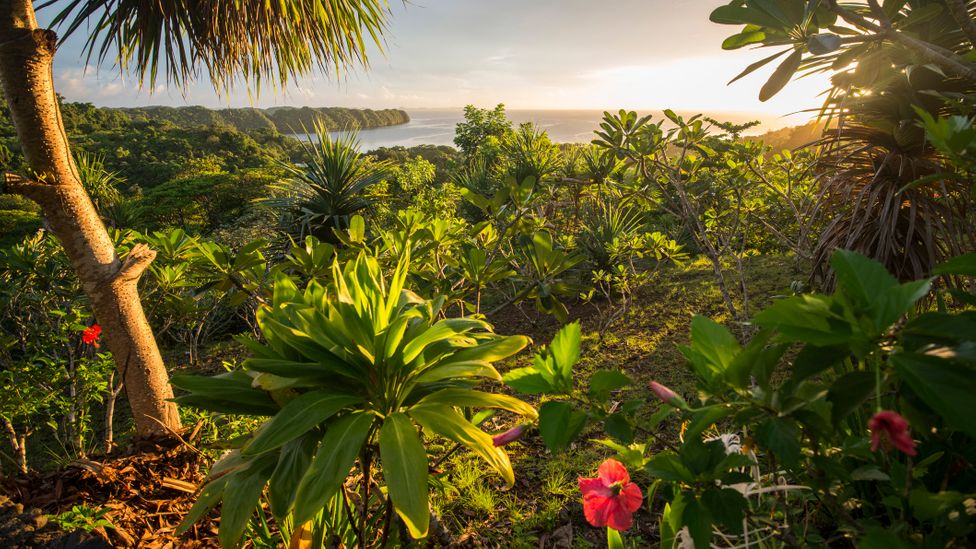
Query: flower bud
[{"x": 510, "y": 435}]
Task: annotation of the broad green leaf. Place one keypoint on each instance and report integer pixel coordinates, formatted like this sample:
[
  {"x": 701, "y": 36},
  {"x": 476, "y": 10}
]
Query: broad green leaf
[
  {"x": 946, "y": 387},
  {"x": 811, "y": 360},
  {"x": 293, "y": 462},
  {"x": 241, "y": 497},
  {"x": 470, "y": 398},
  {"x": 848, "y": 392},
  {"x": 565, "y": 349},
  {"x": 859, "y": 277},
  {"x": 806, "y": 318},
  {"x": 668, "y": 466},
  {"x": 448, "y": 423},
  {"x": 470, "y": 368},
  {"x": 603, "y": 382},
  {"x": 209, "y": 497},
  {"x": 727, "y": 507},
  {"x": 781, "y": 76},
  {"x": 296, "y": 418},
  {"x": 699, "y": 522},
  {"x": 964, "y": 265},
  {"x": 337, "y": 452},
  {"x": 528, "y": 381},
  {"x": 405, "y": 472},
  {"x": 782, "y": 437},
  {"x": 232, "y": 387},
  {"x": 743, "y": 39},
  {"x": 714, "y": 342},
  {"x": 559, "y": 424}
]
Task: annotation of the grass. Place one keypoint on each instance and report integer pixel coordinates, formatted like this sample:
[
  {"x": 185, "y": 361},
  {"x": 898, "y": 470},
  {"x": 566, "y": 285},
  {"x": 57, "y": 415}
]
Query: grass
[{"x": 544, "y": 506}]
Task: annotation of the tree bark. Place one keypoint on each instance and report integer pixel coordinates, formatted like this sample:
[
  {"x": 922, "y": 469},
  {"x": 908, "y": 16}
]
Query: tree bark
[{"x": 26, "y": 58}]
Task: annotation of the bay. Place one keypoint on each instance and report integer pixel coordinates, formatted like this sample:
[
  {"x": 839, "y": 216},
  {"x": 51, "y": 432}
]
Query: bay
[{"x": 436, "y": 126}]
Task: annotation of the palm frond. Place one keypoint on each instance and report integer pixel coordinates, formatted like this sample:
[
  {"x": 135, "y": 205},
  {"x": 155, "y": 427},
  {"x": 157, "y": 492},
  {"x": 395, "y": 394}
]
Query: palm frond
[{"x": 227, "y": 39}]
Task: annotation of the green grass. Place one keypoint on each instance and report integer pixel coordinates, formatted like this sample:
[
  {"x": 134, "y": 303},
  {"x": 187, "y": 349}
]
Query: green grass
[{"x": 645, "y": 345}]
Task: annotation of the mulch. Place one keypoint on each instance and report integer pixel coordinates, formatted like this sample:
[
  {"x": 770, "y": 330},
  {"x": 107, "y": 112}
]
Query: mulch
[{"x": 146, "y": 488}]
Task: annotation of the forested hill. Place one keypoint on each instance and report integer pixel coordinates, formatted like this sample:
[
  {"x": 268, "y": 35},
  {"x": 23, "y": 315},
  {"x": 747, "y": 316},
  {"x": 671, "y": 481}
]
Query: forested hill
[{"x": 282, "y": 119}]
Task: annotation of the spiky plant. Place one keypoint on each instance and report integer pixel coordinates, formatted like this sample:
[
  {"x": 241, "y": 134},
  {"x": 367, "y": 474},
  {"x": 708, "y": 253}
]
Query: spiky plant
[{"x": 329, "y": 188}]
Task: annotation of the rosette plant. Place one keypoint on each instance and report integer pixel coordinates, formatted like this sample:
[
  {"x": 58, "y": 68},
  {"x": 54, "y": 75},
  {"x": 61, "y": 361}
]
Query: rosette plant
[{"x": 351, "y": 374}]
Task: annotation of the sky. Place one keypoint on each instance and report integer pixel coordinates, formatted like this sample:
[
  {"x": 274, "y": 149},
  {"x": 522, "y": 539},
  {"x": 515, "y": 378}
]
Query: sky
[{"x": 528, "y": 54}]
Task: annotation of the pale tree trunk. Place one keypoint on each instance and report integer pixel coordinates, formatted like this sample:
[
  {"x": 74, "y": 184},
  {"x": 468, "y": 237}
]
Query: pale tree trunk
[{"x": 26, "y": 58}]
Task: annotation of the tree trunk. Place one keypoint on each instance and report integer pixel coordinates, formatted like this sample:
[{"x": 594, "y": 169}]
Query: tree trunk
[{"x": 26, "y": 58}]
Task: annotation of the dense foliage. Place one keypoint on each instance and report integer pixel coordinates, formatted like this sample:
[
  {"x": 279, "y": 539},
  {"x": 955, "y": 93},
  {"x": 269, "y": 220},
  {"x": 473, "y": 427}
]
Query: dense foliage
[{"x": 343, "y": 323}]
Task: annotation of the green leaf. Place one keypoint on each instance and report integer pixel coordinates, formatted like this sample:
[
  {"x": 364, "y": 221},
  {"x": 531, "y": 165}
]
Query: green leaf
[
  {"x": 469, "y": 398},
  {"x": 807, "y": 318},
  {"x": 781, "y": 76},
  {"x": 869, "y": 472},
  {"x": 337, "y": 452},
  {"x": 296, "y": 418},
  {"x": 405, "y": 472},
  {"x": 699, "y": 522},
  {"x": 559, "y": 424},
  {"x": 295, "y": 458},
  {"x": 528, "y": 381},
  {"x": 614, "y": 539},
  {"x": 618, "y": 426},
  {"x": 860, "y": 277},
  {"x": 963, "y": 265},
  {"x": 714, "y": 342},
  {"x": 231, "y": 387},
  {"x": 668, "y": 466},
  {"x": 879, "y": 538},
  {"x": 448, "y": 423},
  {"x": 565, "y": 349},
  {"x": 603, "y": 382},
  {"x": 209, "y": 497},
  {"x": 782, "y": 437},
  {"x": 756, "y": 66},
  {"x": 946, "y": 387},
  {"x": 848, "y": 392},
  {"x": 727, "y": 506},
  {"x": 743, "y": 39},
  {"x": 811, "y": 360},
  {"x": 241, "y": 498}
]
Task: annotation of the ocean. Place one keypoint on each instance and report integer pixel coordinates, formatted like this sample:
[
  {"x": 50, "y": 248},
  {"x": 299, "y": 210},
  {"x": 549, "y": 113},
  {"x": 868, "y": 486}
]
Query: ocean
[{"x": 436, "y": 126}]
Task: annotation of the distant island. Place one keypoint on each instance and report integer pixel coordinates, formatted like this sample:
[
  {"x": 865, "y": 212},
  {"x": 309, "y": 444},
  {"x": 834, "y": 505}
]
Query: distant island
[{"x": 287, "y": 120}]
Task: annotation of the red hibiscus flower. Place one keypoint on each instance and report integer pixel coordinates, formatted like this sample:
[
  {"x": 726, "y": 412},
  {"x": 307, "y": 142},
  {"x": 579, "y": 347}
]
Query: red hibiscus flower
[
  {"x": 610, "y": 499},
  {"x": 891, "y": 428},
  {"x": 90, "y": 335}
]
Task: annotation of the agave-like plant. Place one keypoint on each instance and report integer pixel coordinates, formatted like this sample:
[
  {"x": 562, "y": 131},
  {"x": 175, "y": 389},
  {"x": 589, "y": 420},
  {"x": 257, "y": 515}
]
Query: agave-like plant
[
  {"x": 609, "y": 227},
  {"x": 351, "y": 370},
  {"x": 327, "y": 190}
]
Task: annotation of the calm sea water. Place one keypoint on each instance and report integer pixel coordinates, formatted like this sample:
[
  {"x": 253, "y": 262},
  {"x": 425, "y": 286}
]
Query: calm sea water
[{"x": 436, "y": 127}]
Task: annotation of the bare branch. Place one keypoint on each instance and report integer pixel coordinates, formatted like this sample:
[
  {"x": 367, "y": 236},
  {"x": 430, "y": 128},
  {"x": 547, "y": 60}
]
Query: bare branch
[{"x": 136, "y": 263}]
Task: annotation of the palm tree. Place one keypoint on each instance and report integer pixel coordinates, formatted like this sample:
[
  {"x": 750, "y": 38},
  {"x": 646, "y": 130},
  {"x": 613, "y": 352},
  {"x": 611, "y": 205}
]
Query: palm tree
[
  {"x": 177, "y": 40},
  {"x": 330, "y": 188}
]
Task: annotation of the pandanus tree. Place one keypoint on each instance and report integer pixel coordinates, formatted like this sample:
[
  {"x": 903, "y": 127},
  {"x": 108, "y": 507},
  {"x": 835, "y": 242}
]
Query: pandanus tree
[
  {"x": 176, "y": 41},
  {"x": 894, "y": 64}
]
